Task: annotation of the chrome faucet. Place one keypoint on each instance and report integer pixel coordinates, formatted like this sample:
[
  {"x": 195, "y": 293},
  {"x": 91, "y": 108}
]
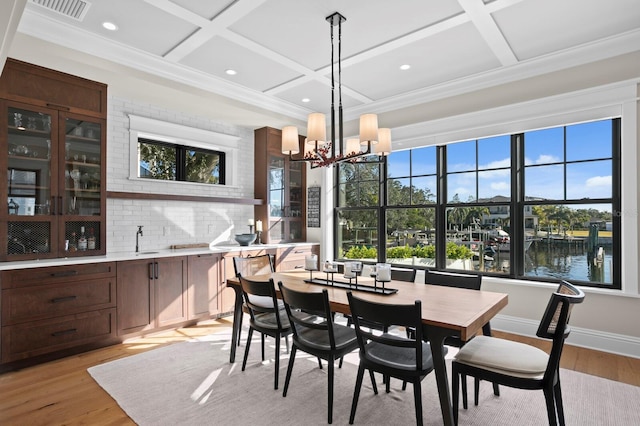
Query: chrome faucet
[{"x": 140, "y": 234}]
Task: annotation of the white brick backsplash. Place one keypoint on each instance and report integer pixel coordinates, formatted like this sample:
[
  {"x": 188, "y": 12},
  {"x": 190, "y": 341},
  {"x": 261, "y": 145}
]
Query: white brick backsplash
[{"x": 188, "y": 222}]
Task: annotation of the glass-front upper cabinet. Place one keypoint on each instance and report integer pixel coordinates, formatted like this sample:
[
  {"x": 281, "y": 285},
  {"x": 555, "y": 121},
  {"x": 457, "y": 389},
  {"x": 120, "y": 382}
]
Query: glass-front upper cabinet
[{"x": 53, "y": 195}]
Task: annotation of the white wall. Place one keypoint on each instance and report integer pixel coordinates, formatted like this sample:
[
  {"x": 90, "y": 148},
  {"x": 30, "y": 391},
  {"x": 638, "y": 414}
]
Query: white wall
[{"x": 170, "y": 222}]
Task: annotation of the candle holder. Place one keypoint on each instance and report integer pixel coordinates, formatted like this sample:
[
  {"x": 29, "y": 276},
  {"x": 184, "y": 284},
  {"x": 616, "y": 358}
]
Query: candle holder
[
  {"x": 259, "y": 234},
  {"x": 383, "y": 274},
  {"x": 251, "y": 229},
  {"x": 311, "y": 264},
  {"x": 330, "y": 268}
]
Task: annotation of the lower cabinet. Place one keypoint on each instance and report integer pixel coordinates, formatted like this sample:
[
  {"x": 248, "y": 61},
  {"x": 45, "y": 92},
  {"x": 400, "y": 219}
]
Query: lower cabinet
[
  {"x": 228, "y": 295},
  {"x": 50, "y": 309},
  {"x": 292, "y": 258},
  {"x": 203, "y": 285},
  {"x": 151, "y": 293}
]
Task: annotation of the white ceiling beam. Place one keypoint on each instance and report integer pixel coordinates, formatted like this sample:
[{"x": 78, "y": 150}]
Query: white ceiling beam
[
  {"x": 489, "y": 31},
  {"x": 10, "y": 14}
]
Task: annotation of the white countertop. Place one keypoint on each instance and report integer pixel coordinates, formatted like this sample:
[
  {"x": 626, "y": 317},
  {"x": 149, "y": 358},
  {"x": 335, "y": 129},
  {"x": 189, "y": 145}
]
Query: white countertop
[{"x": 144, "y": 254}]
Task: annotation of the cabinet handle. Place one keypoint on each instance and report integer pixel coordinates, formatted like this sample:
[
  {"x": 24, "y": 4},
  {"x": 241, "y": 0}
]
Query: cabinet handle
[
  {"x": 205, "y": 255},
  {"x": 64, "y": 274},
  {"x": 156, "y": 269},
  {"x": 298, "y": 267},
  {"x": 298, "y": 251},
  {"x": 63, "y": 299},
  {"x": 64, "y": 332},
  {"x": 151, "y": 270},
  {"x": 56, "y": 106}
]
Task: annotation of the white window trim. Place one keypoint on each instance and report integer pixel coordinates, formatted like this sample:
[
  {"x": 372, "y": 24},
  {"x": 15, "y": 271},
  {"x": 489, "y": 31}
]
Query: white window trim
[
  {"x": 602, "y": 102},
  {"x": 162, "y": 131}
]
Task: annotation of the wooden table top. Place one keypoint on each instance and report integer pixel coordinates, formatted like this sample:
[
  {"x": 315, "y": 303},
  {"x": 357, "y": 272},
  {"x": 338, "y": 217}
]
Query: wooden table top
[{"x": 460, "y": 310}]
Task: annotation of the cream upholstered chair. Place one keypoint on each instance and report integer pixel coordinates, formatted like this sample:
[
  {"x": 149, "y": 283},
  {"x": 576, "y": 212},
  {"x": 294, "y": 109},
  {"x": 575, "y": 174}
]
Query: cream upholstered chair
[{"x": 519, "y": 365}]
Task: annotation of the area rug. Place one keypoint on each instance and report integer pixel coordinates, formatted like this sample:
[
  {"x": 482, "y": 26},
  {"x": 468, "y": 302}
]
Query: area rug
[{"x": 193, "y": 383}]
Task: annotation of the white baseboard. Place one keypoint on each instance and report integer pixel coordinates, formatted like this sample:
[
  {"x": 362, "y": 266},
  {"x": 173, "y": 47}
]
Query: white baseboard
[{"x": 586, "y": 338}]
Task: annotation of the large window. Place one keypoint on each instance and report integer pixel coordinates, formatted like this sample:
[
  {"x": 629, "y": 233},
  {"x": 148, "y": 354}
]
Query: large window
[
  {"x": 165, "y": 161},
  {"x": 532, "y": 205}
]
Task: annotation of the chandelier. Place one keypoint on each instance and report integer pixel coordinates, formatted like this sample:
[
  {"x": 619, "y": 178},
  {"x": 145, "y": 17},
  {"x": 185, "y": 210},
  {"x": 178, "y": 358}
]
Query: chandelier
[{"x": 319, "y": 151}]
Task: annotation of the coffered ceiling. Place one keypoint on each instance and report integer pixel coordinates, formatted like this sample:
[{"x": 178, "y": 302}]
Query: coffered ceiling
[{"x": 280, "y": 49}]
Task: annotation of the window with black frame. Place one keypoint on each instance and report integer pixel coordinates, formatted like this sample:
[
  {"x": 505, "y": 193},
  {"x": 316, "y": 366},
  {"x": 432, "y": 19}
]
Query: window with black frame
[
  {"x": 168, "y": 161},
  {"x": 535, "y": 205},
  {"x": 571, "y": 189}
]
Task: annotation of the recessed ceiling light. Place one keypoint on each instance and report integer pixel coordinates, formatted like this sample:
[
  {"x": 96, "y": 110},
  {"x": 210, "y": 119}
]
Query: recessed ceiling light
[
  {"x": 405, "y": 67},
  {"x": 109, "y": 26},
  {"x": 305, "y": 100},
  {"x": 231, "y": 72}
]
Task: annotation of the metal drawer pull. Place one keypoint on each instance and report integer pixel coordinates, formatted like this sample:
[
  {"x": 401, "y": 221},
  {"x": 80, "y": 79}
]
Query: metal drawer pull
[
  {"x": 298, "y": 266},
  {"x": 63, "y": 299},
  {"x": 64, "y": 274},
  {"x": 298, "y": 251},
  {"x": 56, "y": 106},
  {"x": 64, "y": 332}
]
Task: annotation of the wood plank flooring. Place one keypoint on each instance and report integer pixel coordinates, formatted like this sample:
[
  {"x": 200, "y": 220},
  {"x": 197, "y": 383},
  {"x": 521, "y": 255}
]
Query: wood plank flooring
[{"x": 62, "y": 392}]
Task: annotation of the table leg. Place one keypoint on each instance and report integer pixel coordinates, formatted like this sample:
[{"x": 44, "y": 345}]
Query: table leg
[
  {"x": 237, "y": 311},
  {"x": 436, "y": 339}
]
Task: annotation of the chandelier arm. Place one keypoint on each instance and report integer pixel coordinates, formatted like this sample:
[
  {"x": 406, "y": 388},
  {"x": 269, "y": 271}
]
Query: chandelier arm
[{"x": 333, "y": 89}]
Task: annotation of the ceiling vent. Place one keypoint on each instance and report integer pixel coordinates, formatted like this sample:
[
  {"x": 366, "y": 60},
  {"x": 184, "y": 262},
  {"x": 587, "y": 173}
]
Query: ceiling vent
[{"x": 75, "y": 9}]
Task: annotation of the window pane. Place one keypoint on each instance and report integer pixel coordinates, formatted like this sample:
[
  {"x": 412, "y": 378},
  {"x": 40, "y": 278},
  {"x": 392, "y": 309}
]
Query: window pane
[
  {"x": 423, "y": 190},
  {"x": 461, "y": 187},
  {"x": 399, "y": 164},
  {"x": 411, "y": 236},
  {"x": 544, "y": 146},
  {"x": 157, "y": 161},
  {"x": 494, "y": 152},
  {"x": 398, "y": 192},
  {"x": 202, "y": 166},
  {"x": 572, "y": 243},
  {"x": 589, "y": 140},
  {"x": 423, "y": 161},
  {"x": 544, "y": 182},
  {"x": 589, "y": 180},
  {"x": 369, "y": 193},
  {"x": 461, "y": 156},
  {"x": 494, "y": 185},
  {"x": 357, "y": 234}
]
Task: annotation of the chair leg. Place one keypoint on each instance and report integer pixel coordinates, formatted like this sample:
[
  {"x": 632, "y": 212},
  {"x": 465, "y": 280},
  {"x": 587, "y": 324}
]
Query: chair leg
[
  {"x": 262, "y": 337},
  {"x": 476, "y": 390},
  {"x": 373, "y": 382},
  {"x": 246, "y": 349},
  {"x": 387, "y": 383},
  {"x": 463, "y": 378},
  {"x": 551, "y": 406},
  {"x": 275, "y": 383},
  {"x": 558, "y": 398},
  {"x": 292, "y": 359},
  {"x": 320, "y": 363},
  {"x": 330, "y": 391},
  {"x": 356, "y": 392},
  {"x": 496, "y": 389},
  {"x": 455, "y": 384},
  {"x": 417, "y": 396},
  {"x": 340, "y": 364}
]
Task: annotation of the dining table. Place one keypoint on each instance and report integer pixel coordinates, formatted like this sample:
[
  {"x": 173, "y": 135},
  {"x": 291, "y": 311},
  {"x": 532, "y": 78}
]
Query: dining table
[{"x": 446, "y": 311}]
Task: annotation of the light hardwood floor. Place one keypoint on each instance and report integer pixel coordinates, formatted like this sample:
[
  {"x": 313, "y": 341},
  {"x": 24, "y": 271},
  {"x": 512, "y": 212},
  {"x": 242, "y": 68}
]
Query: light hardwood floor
[{"x": 62, "y": 392}]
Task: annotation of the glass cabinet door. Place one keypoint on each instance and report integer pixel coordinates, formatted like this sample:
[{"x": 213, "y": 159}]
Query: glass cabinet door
[
  {"x": 29, "y": 181},
  {"x": 82, "y": 178}
]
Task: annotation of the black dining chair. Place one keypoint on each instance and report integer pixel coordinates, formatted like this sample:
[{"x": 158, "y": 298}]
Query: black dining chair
[
  {"x": 519, "y": 365},
  {"x": 471, "y": 282},
  {"x": 315, "y": 333},
  {"x": 405, "y": 358},
  {"x": 266, "y": 318},
  {"x": 254, "y": 265}
]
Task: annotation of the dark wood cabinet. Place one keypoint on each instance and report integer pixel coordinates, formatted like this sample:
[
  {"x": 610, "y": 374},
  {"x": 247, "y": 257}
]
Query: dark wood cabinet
[
  {"x": 151, "y": 294},
  {"x": 282, "y": 184},
  {"x": 204, "y": 285},
  {"x": 52, "y": 134},
  {"x": 45, "y": 310}
]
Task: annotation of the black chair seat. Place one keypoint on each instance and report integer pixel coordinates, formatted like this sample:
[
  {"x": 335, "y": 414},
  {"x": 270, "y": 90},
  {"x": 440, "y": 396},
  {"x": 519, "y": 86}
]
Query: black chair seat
[
  {"x": 345, "y": 338},
  {"x": 393, "y": 357},
  {"x": 269, "y": 322}
]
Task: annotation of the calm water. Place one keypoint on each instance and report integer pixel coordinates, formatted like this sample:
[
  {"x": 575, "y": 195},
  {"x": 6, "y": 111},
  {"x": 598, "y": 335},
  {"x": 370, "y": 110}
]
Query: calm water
[{"x": 562, "y": 262}]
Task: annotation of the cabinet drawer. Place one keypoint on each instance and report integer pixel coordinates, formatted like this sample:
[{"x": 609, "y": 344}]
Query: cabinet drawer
[
  {"x": 57, "y": 274},
  {"x": 292, "y": 258},
  {"x": 40, "y": 337},
  {"x": 33, "y": 303}
]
